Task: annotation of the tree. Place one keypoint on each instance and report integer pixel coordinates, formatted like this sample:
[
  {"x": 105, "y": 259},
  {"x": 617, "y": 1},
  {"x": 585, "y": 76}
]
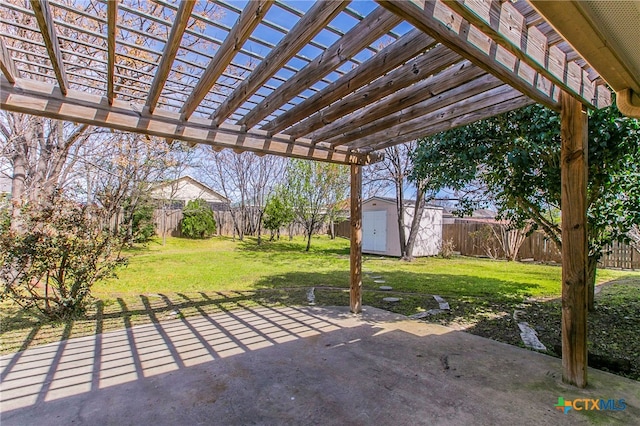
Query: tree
[
  {"x": 197, "y": 220},
  {"x": 277, "y": 212},
  {"x": 52, "y": 263},
  {"x": 311, "y": 187},
  {"x": 395, "y": 171},
  {"x": 517, "y": 156},
  {"x": 247, "y": 179}
]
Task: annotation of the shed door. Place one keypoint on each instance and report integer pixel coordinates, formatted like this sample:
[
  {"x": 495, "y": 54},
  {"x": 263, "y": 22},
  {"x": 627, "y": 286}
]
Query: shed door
[{"x": 374, "y": 231}]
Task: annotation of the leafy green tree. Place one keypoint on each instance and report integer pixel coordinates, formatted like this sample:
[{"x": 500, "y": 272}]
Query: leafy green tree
[
  {"x": 277, "y": 212},
  {"x": 312, "y": 188},
  {"x": 138, "y": 224},
  {"x": 54, "y": 260},
  {"x": 516, "y": 157},
  {"x": 198, "y": 220}
]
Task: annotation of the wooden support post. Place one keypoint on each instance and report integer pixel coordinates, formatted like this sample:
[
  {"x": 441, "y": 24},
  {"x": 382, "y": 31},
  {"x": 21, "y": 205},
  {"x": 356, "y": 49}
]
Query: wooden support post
[
  {"x": 574, "y": 241},
  {"x": 355, "y": 294}
]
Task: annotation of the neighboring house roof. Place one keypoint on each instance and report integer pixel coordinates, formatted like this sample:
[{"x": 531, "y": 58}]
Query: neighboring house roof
[
  {"x": 408, "y": 203},
  {"x": 186, "y": 188}
]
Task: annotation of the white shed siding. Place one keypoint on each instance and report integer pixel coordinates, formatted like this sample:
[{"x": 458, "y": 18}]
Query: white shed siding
[{"x": 429, "y": 237}]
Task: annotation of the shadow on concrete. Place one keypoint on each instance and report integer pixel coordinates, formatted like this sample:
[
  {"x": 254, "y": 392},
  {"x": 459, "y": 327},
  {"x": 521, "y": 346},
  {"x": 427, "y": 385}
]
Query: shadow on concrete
[{"x": 291, "y": 365}]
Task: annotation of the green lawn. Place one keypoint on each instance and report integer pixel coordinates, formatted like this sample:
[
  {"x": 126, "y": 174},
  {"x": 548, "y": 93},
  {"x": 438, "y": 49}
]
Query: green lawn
[
  {"x": 190, "y": 277},
  {"x": 220, "y": 264}
]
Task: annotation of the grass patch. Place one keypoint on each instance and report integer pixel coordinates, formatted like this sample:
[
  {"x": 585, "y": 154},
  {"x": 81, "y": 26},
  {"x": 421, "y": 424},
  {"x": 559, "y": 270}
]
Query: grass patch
[{"x": 197, "y": 277}]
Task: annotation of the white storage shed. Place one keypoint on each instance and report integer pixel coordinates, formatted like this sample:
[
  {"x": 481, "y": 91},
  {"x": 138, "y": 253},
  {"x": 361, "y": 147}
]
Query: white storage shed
[{"x": 380, "y": 228}]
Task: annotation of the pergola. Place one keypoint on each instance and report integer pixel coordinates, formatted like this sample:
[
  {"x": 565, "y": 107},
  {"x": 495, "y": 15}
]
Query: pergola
[{"x": 327, "y": 81}]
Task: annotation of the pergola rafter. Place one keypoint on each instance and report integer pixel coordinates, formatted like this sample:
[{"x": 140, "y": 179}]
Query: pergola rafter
[
  {"x": 371, "y": 28},
  {"x": 411, "y": 72},
  {"x": 42, "y": 11},
  {"x": 410, "y": 45},
  {"x": 7, "y": 64},
  {"x": 310, "y": 24},
  {"x": 306, "y": 83},
  {"x": 112, "y": 16},
  {"x": 247, "y": 22},
  {"x": 377, "y": 117},
  {"x": 169, "y": 53}
]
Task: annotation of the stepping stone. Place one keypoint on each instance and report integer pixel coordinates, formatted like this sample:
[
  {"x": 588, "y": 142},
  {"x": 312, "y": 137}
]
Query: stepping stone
[
  {"x": 441, "y": 303},
  {"x": 311, "y": 297},
  {"x": 379, "y": 281},
  {"x": 376, "y": 277},
  {"x": 391, "y": 299},
  {"x": 530, "y": 337},
  {"x": 385, "y": 287}
]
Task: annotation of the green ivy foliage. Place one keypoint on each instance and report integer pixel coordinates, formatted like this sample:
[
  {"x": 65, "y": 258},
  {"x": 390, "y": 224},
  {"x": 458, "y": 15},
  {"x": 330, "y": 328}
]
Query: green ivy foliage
[{"x": 515, "y": 157}]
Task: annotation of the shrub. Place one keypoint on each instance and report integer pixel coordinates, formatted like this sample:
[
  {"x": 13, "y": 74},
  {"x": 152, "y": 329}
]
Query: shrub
[
  {"x": 50, "y": 261},
  {"x": 447, "y": 249},
  {"x": 142, "y": 222},
  {"x": 197, "y": 220}
]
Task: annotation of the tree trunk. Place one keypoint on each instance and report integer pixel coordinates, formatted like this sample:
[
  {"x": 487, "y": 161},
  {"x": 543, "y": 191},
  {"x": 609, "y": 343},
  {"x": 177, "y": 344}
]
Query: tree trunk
[
  {"x": 18, "y": 183},
  {"x": 309, "y": 234},
  {"x": 260, "y": 228},
  {"x": 400, "y": 210},
  {"x": 332, "y": 232},
  {"x": 415, "y": 225}
]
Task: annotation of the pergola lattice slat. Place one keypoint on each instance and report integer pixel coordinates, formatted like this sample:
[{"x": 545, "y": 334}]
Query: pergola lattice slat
[
  {"x": 431, "y": 62},
  {"x": 506, "y": 26},
  {"x": 462, "y": 118},
  {"x": 418, "y": 126},
  {"x": 438, "y": 100}
]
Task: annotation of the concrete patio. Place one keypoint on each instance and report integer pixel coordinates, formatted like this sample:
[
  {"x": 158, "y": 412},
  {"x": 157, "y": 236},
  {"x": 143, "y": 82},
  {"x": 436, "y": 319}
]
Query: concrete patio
[{"x": 296, "y": 366}]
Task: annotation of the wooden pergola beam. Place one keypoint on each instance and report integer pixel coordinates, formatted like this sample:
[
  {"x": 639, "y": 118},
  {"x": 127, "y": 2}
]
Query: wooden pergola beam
[
  {"x": 7, "y": 65},
  {"x": 42, "y": 12},
  {"x": 371, "y": 28},
  {"x": 478, "y": 107},
  {"x": 507, "y": 27},
  {"x": 457, "y": 34},
  {"x": 232, "y": 44},
  {"x": 112, "y": 15},
  {"x": 311, "y": 23},
  {"x": 437, "y": 104},
  {"x": 355, "y": 257},
  {"x": 408, "y": 46},
  {"x": 573, "y": 163},
  {"x": 355, "y": 125},
  {"x": 458, "y": 121},
  {"x": 169, "y": 54},
  {"x": 431, "y": 62},
  {"x": 46, "y": 100}
]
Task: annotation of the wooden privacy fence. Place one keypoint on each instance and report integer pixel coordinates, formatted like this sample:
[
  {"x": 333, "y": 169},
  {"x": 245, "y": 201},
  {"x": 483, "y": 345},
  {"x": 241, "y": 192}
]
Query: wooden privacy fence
[
  {"x": 169, "y": 220},
  {"x": 467, "y": 238}
]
